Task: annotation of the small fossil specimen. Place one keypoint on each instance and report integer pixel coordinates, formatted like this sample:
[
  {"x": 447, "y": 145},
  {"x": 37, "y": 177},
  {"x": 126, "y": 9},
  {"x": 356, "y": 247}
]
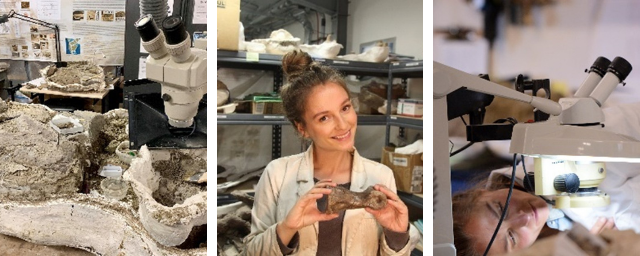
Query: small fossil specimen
[{"x": 343, "y": 199}]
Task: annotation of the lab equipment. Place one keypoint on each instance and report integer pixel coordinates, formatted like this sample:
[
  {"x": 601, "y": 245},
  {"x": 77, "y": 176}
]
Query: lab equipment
[
  {"x": 571, "y": 143},
  {"x": 174, "y": 116},
  {"x": 182, "y": 73}
]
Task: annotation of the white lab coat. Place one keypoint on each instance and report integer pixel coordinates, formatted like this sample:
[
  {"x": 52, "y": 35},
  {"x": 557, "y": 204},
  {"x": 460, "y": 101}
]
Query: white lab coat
[
  {"x": 622, "y": 182},
  {"x": 282, "y": 184}
]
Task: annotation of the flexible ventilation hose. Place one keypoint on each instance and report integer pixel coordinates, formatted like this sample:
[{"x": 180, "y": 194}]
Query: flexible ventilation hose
[{"x": 157, "y": 8}]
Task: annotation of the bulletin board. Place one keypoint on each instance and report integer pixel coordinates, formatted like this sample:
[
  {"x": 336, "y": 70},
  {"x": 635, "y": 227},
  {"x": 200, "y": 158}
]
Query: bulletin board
[{"x": 89, "y": 30}]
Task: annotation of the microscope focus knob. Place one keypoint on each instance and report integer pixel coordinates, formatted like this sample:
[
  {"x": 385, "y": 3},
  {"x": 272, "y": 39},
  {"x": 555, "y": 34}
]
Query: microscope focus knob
[
  {"x": 567, "y": 183},
  {"x": 166, "y": 97}
]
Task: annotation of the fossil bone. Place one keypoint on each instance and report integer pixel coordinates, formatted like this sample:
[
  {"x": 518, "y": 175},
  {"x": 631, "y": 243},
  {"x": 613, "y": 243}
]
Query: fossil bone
[{"x": 343, "y": 199}]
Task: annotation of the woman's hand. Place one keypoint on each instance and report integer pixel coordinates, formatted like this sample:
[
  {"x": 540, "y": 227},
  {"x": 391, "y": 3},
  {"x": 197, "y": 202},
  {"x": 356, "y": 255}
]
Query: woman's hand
[
  {"x": 395, "y": 215},
  {"x": 305, "y": 212},
  {"x": 603, "y": 224}
]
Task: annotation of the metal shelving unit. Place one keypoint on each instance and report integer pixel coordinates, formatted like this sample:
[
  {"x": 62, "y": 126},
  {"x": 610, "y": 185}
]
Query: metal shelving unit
[{"x": 404, "y": 70}]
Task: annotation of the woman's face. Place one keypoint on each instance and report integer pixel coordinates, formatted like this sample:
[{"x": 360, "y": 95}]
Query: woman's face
[
  {"x": 525, "y": 218},
  {"x": 330, "y": 120}
]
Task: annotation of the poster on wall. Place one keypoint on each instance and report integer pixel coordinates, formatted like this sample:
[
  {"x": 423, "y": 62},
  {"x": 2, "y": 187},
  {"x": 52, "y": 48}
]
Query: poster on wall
[{"x": 89, "y": 30}]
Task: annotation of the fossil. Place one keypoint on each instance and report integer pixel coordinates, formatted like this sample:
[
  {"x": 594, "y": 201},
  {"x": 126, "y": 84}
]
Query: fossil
[
  {"x": 77, "y": 76},
  {"x": 343, "y": 199}
]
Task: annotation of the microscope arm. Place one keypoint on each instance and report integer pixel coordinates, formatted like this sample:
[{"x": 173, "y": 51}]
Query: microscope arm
[{"x": 447, "y": 79}]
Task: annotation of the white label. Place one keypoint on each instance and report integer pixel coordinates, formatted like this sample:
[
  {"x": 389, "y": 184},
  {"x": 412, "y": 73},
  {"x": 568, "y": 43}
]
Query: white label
[
  {"x": 259, "y": 108},
  {"x": 222, "y": 117},
  {"x": 273, "y": 117},
  {"x": 401, "y": 161},
  {"x": 413, "y": 64},
  {"x": 416, "y": 179},
  {"x": 340, "y": 62}
]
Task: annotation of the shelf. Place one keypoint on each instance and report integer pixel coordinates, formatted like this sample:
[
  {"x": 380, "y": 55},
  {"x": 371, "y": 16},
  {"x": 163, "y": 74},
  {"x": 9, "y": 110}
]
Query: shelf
[
  {"x": 407, "y": 69},
  {"x": 407, "y": 122},
  {"x": 411, "y": 199},
  {"x": 230, "y": 59},
  {"x": 250, "y": 119}
]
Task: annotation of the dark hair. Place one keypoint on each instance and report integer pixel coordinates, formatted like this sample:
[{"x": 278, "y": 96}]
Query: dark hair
[
  {"x": 303, "y": 74},
  {"x": 463, "y": 204}
]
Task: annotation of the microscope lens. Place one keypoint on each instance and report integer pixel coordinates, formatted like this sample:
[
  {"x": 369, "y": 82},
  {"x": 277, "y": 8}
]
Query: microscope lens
[
  {"x": 174, "y": 30},
  {"x": 147, "y": 28},
  {"x": 600, "y": 65},
  {"x": 620, "y": 67}
]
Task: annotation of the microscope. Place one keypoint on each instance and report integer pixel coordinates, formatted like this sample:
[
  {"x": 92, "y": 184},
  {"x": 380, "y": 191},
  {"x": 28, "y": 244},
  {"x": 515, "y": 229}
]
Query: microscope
[
  {"x": 569, "y": 149},
  {"x": 174, "y": 117}
]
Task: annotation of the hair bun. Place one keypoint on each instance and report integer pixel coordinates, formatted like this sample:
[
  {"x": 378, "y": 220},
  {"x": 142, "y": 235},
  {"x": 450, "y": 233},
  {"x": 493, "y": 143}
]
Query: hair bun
[{"x": 296, "y": 62}]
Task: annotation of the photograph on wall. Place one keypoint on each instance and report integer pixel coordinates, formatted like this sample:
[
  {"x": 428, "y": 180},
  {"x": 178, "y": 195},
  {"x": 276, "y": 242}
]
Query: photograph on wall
[
  {"x": 33, "y": 28},
  {"x": 92, "y": 15},
  {"x": 24, "y": 5},
  {"x": 120, "y": 16},
  {"x": 107, "y": 15},
  {"x": 78, "y": 15},
  {"x": 35, "y": 45},
  {"x": 73, "y": 46}
]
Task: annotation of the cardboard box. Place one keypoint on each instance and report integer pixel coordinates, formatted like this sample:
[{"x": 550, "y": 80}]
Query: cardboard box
[
  {"x": 228, "y": 24},
  {"x": 263, "y": 105},
  {"x": 407, "y": 169},
  {"x": 410, "y": 107}
]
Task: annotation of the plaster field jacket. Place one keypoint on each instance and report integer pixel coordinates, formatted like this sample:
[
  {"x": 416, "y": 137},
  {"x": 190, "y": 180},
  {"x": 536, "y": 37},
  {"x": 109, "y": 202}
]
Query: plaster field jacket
[{"x": 286, "y": 179}]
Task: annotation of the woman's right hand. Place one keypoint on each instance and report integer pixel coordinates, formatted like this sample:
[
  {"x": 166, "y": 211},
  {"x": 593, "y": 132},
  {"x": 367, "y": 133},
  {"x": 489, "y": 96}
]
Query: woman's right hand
[
  {"x": 603, "y": 224},
  {"x": 305, "y": 212}
]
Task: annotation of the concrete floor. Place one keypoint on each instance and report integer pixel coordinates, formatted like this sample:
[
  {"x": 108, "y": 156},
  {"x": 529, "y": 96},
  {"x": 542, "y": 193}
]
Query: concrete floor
[{"x": 14, "y": 246}]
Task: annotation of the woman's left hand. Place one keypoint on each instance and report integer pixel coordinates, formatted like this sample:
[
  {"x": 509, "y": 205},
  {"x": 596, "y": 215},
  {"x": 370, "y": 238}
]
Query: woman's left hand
[{"x": 395, "y": 215}]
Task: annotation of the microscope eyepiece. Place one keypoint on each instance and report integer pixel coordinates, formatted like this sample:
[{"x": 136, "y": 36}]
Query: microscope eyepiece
[
  {"x": 600, "y": 66},
  {"x": 147, "y": 28},
  {"x": 174, "y": 30},
  {"x": 620, "y": 67}
]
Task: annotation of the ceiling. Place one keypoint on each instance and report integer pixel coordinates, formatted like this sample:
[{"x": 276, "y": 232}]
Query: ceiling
[{"x": 260, "y": 17}]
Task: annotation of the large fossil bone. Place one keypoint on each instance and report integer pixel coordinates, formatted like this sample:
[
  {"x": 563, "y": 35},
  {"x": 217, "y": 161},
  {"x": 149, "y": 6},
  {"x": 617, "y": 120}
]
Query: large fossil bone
[{"x": 343, "y": 199}]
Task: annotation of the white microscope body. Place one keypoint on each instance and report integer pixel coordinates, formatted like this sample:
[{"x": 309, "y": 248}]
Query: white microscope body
[{"x": 180, "y": 69}]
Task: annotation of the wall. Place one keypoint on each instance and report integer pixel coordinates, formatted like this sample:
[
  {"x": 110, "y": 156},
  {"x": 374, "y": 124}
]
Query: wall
[
  {"x": 371, "y": 20},
  {"x": 564, "y": 39}
]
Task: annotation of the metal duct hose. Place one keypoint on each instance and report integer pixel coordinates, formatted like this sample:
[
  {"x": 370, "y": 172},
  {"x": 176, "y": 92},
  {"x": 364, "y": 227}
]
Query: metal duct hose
[{"x": 157, "y": 8}]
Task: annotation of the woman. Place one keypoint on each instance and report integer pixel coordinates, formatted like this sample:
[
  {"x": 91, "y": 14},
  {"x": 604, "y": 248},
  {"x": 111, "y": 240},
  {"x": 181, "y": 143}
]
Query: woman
[
  {"x": 529, "y": 218},
  {"x": 476, "y": 213},
  {"x": 285, "y": 216}
]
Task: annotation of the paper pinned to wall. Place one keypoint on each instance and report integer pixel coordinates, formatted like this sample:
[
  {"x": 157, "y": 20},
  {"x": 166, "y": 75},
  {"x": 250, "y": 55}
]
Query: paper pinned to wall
[
  {"x": 47, "y": 9},
  {"x": 89, "y": 30},
  {"x": 200, "y": 12}
]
